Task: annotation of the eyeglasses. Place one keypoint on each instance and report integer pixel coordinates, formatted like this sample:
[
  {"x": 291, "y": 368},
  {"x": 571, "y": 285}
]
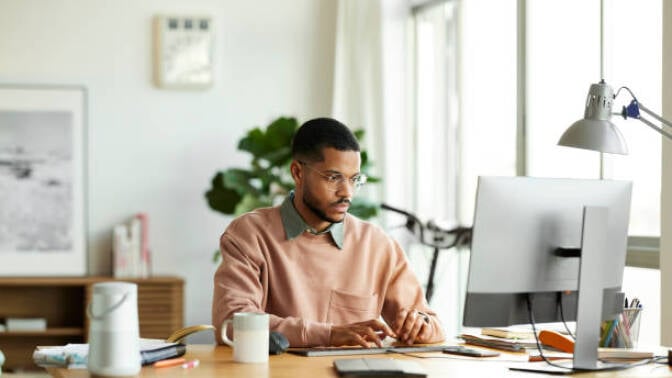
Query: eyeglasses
[{"x": 335, "y": 181}]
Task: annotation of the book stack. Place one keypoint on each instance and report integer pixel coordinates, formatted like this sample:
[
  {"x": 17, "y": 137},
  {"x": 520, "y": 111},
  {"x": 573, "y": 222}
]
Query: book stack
[
  {"x": 74, "y": 356},
  {"x": 514, "y": 338},
  {"x": 511, "y": 345},
  {"x": 559, "y": 346},
  {"x": 130, "y": 245}
]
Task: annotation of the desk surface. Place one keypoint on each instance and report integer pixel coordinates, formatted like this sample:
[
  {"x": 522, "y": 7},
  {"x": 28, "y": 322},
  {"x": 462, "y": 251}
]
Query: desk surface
[{"x": 217, "y": 361}]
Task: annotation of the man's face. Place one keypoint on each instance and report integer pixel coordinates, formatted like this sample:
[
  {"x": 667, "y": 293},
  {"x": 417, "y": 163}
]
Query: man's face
[{"x": 324, "y": 189}]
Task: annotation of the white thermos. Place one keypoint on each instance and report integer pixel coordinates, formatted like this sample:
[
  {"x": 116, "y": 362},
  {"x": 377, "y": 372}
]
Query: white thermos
[{"x": 114, "y": 340}]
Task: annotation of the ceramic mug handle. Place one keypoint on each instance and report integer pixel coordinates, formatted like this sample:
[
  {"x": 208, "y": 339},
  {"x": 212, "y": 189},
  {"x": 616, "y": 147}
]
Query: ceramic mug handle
[{"x": 225, "y": 326}]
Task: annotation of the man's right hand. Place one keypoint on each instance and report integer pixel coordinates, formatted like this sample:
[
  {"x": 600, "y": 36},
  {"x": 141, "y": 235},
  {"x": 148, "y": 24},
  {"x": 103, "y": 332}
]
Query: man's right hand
[{"x": 361, "y": 333}]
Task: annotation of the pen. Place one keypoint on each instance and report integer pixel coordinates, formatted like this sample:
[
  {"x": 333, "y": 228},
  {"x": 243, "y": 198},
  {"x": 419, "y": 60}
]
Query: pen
[
  {"x": 190, "y": 364},
  {"x": 170, "y": 362}
]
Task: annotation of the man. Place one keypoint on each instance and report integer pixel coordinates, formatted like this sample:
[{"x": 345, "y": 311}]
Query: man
[{"x": 324, "y": 276}]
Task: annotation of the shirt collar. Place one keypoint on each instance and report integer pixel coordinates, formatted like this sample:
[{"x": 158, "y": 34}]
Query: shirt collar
[{"x": 295, "y": 226}]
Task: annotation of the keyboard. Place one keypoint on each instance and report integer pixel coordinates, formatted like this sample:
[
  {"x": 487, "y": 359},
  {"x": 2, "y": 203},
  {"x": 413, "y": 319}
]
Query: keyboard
[{"x": 350, "y": 351}]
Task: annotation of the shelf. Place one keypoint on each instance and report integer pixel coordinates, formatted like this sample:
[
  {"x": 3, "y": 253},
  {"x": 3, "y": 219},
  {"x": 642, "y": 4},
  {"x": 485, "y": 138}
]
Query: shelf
[
  {"x": 62, "y": 301},
  {"x": 56, "y": 331}
]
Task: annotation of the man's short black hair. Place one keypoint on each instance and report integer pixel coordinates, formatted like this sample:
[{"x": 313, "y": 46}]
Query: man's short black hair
[{"x": 316, "y": 134}]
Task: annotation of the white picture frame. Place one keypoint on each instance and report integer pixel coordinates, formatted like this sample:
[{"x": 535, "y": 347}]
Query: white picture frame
[{"x": 42, "y": 180}]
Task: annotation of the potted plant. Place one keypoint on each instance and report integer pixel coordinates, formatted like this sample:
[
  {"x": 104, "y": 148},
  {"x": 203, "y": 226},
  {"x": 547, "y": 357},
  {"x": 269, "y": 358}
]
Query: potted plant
[{"x": 267, "y": 181}]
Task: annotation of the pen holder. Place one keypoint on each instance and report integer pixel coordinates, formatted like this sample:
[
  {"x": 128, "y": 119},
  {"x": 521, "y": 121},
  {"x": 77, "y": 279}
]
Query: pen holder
[{"x": 622, "y": 332}]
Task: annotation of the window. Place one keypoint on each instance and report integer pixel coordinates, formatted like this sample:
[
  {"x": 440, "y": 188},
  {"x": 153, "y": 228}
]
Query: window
[
  {"x": 563, "y": 62},
  {"x": 471, "y": 84},
  {"x": 639, "y": 68},
  {"x": 436, "y": 113}
]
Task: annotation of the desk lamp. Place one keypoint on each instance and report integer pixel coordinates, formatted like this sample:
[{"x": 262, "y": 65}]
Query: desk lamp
[{"x": 596, "y": 132}]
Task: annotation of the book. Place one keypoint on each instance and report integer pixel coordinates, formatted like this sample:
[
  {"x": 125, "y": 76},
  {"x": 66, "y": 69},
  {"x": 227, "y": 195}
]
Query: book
[
  {"x": 534, "y": 356},
  {"x": 378, "y": 367},
  {"x": 26, "y": 324},
  {"x": 623, "y": 354},
  {"x": 510, "y": 345},
  {"x": 509, "y": 332},
  {"x": 149, "y": 356},
  {"x": 130, "y": 248}
]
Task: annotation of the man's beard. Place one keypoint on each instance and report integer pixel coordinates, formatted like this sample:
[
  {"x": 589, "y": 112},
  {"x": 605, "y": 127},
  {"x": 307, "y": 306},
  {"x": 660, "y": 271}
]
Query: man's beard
[{"x": 310, "y": 202}]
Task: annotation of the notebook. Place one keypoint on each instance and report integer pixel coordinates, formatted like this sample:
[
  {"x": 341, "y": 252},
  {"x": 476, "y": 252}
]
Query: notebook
[
  {"x": 378, "y": 367},
  {"x": 349, "y": 351}
]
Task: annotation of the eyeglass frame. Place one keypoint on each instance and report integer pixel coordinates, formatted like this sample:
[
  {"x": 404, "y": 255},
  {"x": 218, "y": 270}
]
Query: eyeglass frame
[{"x": 337, "y": 180}]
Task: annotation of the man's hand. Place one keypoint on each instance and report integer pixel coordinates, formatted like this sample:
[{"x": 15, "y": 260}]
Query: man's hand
[
  {"x": 361, "y": 333},
  {"x": 412, "y": 325}
]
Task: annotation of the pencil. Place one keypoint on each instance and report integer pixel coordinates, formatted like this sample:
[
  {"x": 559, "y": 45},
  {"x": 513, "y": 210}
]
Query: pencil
[
  {"x": 610, "y": 332},
  {"x": 170, "y": 362}
]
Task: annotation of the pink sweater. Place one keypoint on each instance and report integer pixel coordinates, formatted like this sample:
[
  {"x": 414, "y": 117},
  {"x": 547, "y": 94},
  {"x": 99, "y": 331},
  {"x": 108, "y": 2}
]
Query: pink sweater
[{"x": 307, "y": 284}]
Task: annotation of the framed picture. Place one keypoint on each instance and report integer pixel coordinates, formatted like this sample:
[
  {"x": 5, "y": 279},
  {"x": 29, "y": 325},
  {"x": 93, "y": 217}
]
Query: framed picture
[{"x": 42, "y": 183}]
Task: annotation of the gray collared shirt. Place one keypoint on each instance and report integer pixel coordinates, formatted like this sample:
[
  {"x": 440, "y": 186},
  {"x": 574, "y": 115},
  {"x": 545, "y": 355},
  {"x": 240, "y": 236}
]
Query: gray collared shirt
[{"x": 294, "y": 224}]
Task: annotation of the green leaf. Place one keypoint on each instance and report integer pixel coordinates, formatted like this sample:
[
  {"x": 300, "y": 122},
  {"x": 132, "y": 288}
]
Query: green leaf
[
  {"x": 254, "y": 143},
  {"x": 279, "y": 156},
  {"x": 223, "y": 199},
  {"x": 372, "y": 179},
  {"x": 251, "y": 202},
  {"x": 240, "y": 180},
  {"x": 363, "y": 208},
  {"x": 217, "y": 180},
  {"x": 264, "y": 144},
  {"x": 280, "y": 132}
]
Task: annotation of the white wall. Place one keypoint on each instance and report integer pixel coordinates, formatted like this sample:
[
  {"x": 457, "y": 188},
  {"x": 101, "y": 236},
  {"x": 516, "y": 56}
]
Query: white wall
[{"x": 156, "y": 150}]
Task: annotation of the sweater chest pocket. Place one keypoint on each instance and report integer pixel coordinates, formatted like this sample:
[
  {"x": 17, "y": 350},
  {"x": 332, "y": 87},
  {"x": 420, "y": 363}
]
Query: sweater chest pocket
[{"x": 345, "y": 308}]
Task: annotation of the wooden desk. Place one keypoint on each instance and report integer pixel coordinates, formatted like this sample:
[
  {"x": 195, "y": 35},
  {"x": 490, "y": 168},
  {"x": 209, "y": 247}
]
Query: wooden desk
[{"x": 218, "y": 362}]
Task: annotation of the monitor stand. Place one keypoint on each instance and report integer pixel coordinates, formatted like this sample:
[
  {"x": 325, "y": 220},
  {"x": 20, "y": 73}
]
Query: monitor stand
[{"x": 590, "y": 298}]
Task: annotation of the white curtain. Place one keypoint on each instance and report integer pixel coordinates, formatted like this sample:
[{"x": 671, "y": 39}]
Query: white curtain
[
  {"x": 358, "y": 94},
  {"x": 357, "y": 69},
  {"x": 370, "y": 89}
]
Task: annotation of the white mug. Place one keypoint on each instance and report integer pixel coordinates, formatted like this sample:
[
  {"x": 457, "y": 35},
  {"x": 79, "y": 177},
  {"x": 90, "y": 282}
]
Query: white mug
[
  {"x": 114, "y": 342},
  {"x": 250, "y": 337}
]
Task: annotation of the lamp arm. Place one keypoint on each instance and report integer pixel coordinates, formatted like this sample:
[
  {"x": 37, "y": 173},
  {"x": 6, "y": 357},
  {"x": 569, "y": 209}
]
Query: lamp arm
[
  {"x": 651, "y": 125},
  {"x": 654, "y": 115}
]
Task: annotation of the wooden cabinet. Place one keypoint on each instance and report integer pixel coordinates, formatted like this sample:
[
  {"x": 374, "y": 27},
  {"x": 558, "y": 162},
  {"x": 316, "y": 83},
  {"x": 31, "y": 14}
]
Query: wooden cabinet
[{"x": 63, "y": 301}]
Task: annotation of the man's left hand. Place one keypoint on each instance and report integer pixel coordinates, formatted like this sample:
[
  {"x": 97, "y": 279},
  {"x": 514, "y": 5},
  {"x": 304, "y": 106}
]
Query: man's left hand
[{"x": 412, "y": 325}]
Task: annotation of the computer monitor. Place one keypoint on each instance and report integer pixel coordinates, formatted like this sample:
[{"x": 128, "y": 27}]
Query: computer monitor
[{"x": 533, "y": 237}]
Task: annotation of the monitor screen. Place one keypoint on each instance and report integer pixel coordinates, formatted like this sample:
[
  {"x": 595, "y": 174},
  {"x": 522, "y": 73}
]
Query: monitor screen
[{"x": 519, "y": 223}]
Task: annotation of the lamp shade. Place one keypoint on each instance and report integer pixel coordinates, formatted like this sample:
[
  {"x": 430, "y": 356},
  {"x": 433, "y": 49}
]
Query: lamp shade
[
  {"x": 596, "y": 135},
  {"x": 595, "y": 131}
]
